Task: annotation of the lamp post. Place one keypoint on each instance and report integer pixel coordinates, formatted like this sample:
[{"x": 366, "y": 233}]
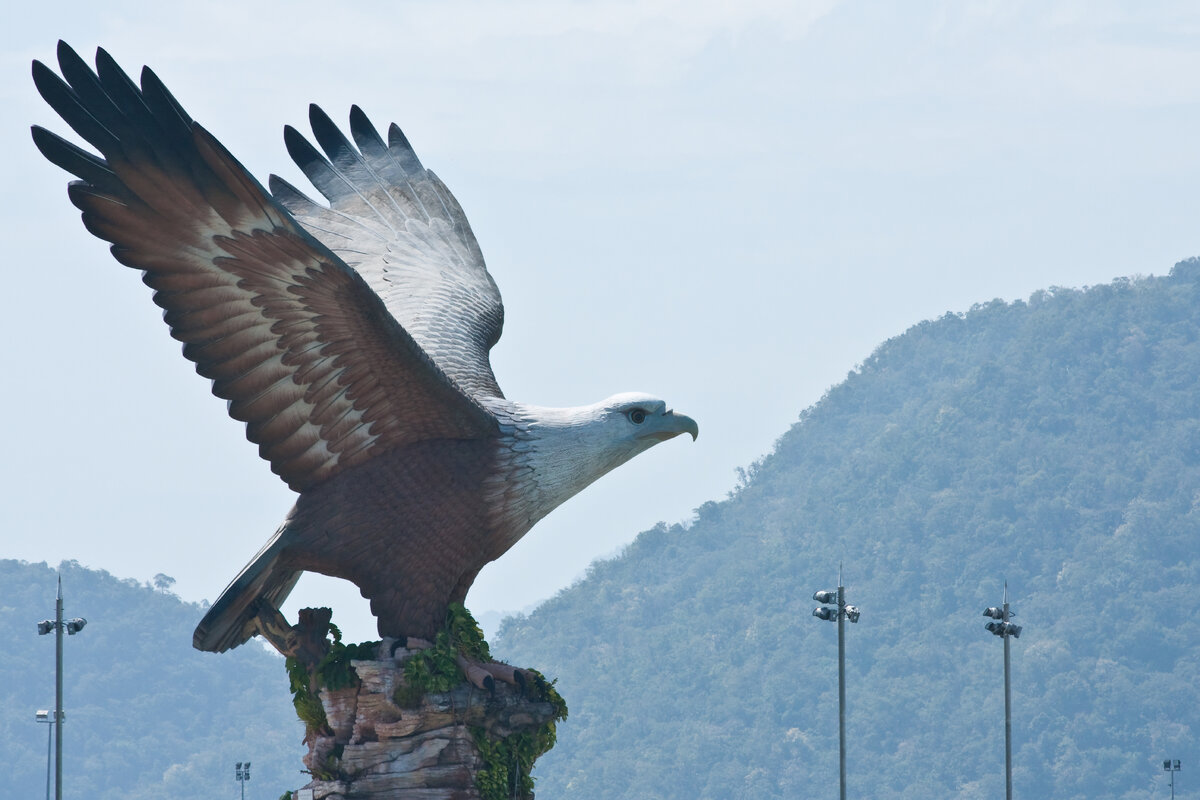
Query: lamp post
[
  {"x": 72, "y": 627},
  {"x": 839, "y": 614},
  {"x": 1000, "y": 626},
  {"x": 43, "y": 715},
  {"x": 1172, "y": 767},
  {"x": 243, "y": 774}
]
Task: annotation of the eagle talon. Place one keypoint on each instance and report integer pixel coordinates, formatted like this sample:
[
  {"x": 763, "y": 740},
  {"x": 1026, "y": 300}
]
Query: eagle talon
[
  {"x": 477, "y": 673},
  {"x": 508, "y": 674}
]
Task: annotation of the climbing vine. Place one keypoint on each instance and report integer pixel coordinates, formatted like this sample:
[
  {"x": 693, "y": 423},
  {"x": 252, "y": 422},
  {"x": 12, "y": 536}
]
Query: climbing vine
[
  {"x": 508, "y": 761},
  {"x": 333, "y": 672},
  {"x": 435, "y": 669}
]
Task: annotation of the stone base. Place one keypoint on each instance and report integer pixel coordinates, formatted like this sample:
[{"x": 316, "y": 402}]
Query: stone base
[{"x": 374, "y": 748}]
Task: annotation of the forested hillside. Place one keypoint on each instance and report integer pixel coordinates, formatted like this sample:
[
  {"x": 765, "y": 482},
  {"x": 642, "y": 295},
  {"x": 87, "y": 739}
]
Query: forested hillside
[
  {"x": 1054, "y": 443},
  {"x": 147, "y": 717}
]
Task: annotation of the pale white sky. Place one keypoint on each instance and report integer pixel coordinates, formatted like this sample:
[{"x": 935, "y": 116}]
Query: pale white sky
[{"x": 729, "y": 205}]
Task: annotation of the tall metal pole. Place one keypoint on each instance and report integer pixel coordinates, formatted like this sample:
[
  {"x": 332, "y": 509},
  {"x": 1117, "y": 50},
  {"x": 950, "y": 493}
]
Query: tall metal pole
[
  {"x": 58, "y": 690},
  {"x": 1007, "y": 711},
  {"x": 1172, "y": 766},
  {"x": 841, "y": 623},
  {"x": 843, "y": 612}
]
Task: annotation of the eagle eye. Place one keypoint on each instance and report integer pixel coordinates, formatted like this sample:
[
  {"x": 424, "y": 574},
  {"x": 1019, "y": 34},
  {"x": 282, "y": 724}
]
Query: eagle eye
[{"x": 637, "y": 416}]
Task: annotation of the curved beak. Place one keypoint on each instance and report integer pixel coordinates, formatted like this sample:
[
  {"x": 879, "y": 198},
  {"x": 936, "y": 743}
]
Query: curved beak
[{"x": 669, "y": 425}]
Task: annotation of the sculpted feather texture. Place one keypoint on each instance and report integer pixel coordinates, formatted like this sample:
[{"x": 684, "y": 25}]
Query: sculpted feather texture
[{"x": 352, "y": 339}]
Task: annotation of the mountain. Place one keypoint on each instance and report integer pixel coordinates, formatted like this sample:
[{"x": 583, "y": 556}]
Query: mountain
[
  {"x": 1052, "y": 443},
  {"x": 147, "y": 717}
]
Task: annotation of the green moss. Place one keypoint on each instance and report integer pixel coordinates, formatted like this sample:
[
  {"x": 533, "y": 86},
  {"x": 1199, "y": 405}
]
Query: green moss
[
  {"x": 435, "y": 669},
  {"x": 331, "y": 769},
  {"x": 333, "y": 672},
  {"x": 308, "y": 705},
  {"x": 508, "y": 761}
]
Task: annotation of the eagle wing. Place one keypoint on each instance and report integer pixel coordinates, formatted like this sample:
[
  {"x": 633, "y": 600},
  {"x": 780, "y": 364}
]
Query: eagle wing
[
  {"x": 399, "y": 227},
  {"x": 305, "y": 351}
]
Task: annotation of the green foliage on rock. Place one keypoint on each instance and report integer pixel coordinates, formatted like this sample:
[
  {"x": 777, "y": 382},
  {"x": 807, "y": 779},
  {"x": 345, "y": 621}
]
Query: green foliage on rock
[
  {"x": 1053, "y": 442},
  {"x": 434, "y": 669},
  {"x": 304, "y": 699},
  {"x": 508, "y": 761},
  {"x": 334, "y": 671}
]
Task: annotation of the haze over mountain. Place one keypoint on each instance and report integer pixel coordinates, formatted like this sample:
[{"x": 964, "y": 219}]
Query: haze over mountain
[
  {"x": 147, "y": 717},
  {"x": 1054, "y": 443}
]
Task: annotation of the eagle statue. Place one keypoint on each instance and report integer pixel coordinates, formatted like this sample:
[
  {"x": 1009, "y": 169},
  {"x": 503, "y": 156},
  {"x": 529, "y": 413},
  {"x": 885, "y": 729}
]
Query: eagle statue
[{"x": 352, "y": 339}]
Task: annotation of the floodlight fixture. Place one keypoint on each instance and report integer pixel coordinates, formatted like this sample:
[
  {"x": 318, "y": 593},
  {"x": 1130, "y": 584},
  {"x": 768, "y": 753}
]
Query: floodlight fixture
[
  {"x": 1004, "y": 629},
  {"x": 1171, "y": 766},
  {"x": 826, "y": 596},
  {"x": 75, "y": 625},
  {"x": 242, "y": 774},
  {"x": 852, "y": 613},
  {"x": 827, "y": 614},
  {"x": 994, "y": 612},
  {"x": 45, "y": 626}
]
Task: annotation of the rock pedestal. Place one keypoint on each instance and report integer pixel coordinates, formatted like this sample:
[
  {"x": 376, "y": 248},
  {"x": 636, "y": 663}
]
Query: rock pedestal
[{"x": 384, "y": 740}]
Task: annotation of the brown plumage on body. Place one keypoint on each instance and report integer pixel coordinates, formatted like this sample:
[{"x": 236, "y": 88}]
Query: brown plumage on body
[{"x": 351, "y": 339}]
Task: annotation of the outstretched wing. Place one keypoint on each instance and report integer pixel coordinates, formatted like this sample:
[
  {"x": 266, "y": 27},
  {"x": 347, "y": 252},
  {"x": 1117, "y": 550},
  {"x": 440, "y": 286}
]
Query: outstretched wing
[
  {"x": 397, "y": 224},
  {"x": 304, "y": 351}
]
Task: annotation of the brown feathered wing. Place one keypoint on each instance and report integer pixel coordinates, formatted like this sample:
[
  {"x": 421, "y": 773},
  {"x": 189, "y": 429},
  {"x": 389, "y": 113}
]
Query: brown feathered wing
[{"x": 329, "y": 367}]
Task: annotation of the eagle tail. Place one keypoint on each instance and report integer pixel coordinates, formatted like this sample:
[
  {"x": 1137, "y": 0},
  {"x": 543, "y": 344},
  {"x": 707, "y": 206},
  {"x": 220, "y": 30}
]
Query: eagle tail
[{"x": 231, "y": 620}]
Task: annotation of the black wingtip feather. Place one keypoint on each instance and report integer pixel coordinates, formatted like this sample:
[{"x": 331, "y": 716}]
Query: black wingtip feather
[
  {"x": 76, "y": 160},
  {"x": 330, "y": 137},
  {"x": 285, "y": 192},
  {"x": 164, "y": 106},
  {"x": 402, "y": 151},
  {"x": 64, "y": 50},
  {"x": 68, "y": 105},
  {"x": 91, "y": 93},
  {"x": 124, "y": 92},
  {"x": 323, "y": 176},
  {"x": 366, "y": 136}
]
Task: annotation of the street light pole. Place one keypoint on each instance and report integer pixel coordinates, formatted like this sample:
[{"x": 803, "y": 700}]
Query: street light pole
[
  {"x": 71, "y": 626},
  {"x": 58, "y": 691},
  {"x": 1172, "y": 767},
  {"x": 841, "y": 623},
  {"x": 841, "y": 614},
  {"x": 1004, "y": 629},
  {"x": 1007, "y": 710},
  {"x": 242, "y": 772}
]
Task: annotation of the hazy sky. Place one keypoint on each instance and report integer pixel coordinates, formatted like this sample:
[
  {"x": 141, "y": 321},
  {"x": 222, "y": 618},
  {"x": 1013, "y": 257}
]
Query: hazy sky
[{"x": 726, "y": 204}]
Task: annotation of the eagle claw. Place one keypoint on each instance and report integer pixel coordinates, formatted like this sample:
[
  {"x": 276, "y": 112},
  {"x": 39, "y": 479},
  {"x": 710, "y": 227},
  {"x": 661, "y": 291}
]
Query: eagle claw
[{"x": 484, "y": 674}]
